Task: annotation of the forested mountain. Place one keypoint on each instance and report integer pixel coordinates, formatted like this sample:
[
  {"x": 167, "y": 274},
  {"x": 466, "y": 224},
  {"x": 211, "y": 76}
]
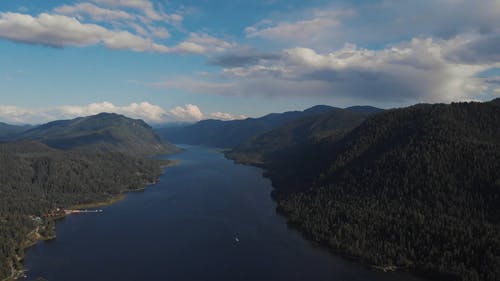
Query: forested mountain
[
  {"x": 8, "y": 131},
  {"x": 415, "y": 188},
  {"x": 364, "y": 109},
  {"x": 103, "y": 132},
  {"x": 269, "y": 145},
  {"x": 36, "y": 179},
  {"x": 66, "y": 163},
  {"x": 228, "y": 134}
]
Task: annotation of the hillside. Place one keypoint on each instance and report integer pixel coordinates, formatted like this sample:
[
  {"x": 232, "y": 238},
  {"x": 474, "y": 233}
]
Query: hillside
[
  {"x": 103, "y": 132},
  {"x": 65, "y": 163},
  {"x": 229, "y": 134},
  {"x": 262, "y": 148},
  {"x": 415, "y": 188},
  {"x": 36, "y": 179},
  {"x": 7, "y": 130}
]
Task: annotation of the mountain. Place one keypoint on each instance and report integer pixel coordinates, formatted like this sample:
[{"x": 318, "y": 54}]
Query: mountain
[
  {"x": 102, "y": 132},
  {"x": 364, "y": 109},
  {"x": 228, "y": 134},
  {"x": 267, "y": 146},
  {"x": 415, "y": 188},
  {"x": 8, "y": 131},
  {"x": 66, "y": 163},
  {"x": 36, "y": 179}
]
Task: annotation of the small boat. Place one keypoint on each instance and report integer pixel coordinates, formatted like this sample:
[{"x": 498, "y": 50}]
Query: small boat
[{"x": 236, "y": 239}]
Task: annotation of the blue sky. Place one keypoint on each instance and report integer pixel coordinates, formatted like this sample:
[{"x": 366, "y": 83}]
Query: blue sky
[{"x": 167, "y": 61}]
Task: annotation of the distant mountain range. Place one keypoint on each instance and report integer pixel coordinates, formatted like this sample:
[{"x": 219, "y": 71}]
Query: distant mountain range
[
  {"x": 102, "y": 132},
  {"x": 229, "y": 134},
  {"x": 264, "y": 147},
  {"x": 416, "y": 188},
  {"x": 8, "y": 131}
]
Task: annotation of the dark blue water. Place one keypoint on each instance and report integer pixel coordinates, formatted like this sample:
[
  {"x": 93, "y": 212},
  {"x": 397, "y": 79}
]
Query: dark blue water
[{"x": 184, "y": 228}]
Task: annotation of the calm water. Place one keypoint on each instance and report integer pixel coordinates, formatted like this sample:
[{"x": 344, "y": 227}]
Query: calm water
[{"x": 184, "y": 228}]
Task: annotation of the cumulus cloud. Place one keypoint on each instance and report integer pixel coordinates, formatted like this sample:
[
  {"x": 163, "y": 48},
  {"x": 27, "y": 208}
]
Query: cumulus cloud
[
  {"x": 378, "y": 22},
  {"x": 146, "y": 111},
  {"x": 226, "y": 116},
  {"x": 189, "y": 112},
  {"x": 406, "y": 72},
  {"x": 60, "y": 31},
  {"x": 483, "y": 50}
]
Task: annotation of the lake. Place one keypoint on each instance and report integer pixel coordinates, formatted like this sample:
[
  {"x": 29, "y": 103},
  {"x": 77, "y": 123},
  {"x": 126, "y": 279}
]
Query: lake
[{"x": 207, "y": 219}]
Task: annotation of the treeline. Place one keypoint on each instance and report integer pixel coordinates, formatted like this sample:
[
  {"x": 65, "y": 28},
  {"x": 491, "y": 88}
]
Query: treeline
[
  {"x": 415, "y": 188},
  {"x": 36, "y": 179}
]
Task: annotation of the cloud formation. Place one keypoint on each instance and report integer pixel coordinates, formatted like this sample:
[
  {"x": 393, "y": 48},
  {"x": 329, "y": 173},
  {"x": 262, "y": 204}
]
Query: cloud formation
[
  {"x": 60, "y": 31},
  {"x": 312, "y": 28},
  {"x": 422, "y": 69},
  {"x": 378, "y": 22},
  {"x": 82, "y": 10},
  {"x": 137, "y": 25},
  {"x": 241, "y": 57},
  {"x": 146, "y": 111}
]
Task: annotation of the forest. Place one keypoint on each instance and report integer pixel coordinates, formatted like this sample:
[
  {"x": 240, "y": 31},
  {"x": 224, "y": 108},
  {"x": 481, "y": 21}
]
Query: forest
[
  {"x": 415, "y": 188},
  {"x": 38, "y": 178}
]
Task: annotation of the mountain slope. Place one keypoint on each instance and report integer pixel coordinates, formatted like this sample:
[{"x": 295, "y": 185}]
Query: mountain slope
[
  {"x": 102, "y": 132},
  {"x": 36, "y": 179},
  {"x": 228, "y": 134},
  {"x": 267, "y": 146},
  {"x": 7, "y": 130},
  {"x": 416, "y": 188}
]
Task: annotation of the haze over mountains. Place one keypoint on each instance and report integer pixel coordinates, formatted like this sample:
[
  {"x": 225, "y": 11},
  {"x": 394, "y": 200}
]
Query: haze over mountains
[{"x": 229, "y": 134}]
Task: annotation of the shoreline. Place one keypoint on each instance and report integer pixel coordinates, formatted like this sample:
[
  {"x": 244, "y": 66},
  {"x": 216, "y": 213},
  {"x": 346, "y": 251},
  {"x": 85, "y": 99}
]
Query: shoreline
[
  {"x": 17, "y": 273},
  {"x": 307, "y": 236}
]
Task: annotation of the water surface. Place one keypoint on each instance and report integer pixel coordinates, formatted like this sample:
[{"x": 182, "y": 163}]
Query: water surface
[{"x": 186, "y": 227}]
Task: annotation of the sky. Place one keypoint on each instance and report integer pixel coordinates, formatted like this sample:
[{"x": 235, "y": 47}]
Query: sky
[{"x": 184, "y": 61}]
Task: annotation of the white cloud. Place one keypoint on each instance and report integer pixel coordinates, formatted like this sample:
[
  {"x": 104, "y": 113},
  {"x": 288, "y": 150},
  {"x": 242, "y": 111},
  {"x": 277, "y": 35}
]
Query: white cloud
[
  {"x": 146, "y": 111},
  {"x": 93, "y": 11},
  {"x": 201, "y": 43},
  {"x": 159, "y": 32},
  {"x": 189, "y": 112},
  {"x": 311, "y": 29},
  {"x": 226, "y": 116},
  {"x": 145, "y": 6},
  {"x": 60, "y": 31},
  {"x": 378, "y": 22},
  {"x": 407, "y": 72}
]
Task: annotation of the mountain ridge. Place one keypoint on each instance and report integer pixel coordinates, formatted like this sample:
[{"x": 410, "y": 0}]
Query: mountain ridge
[
  {"x": 229, "y": 134},
  {"x": 415, "y": 188},
  {"x": 102, "y": 132}
]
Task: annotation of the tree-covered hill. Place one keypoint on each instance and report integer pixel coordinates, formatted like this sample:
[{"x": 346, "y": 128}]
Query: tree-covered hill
[
  {"x": 7, "y": 130},
  {"x": 36, "y": 179},
  {"x": 267, "y": 146},
  {"x": 66, "y": 163},
  {"x": 229, "y": 134},
  {"x": 103, "y": 132},
  {"x": 415, "y": 188}
]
